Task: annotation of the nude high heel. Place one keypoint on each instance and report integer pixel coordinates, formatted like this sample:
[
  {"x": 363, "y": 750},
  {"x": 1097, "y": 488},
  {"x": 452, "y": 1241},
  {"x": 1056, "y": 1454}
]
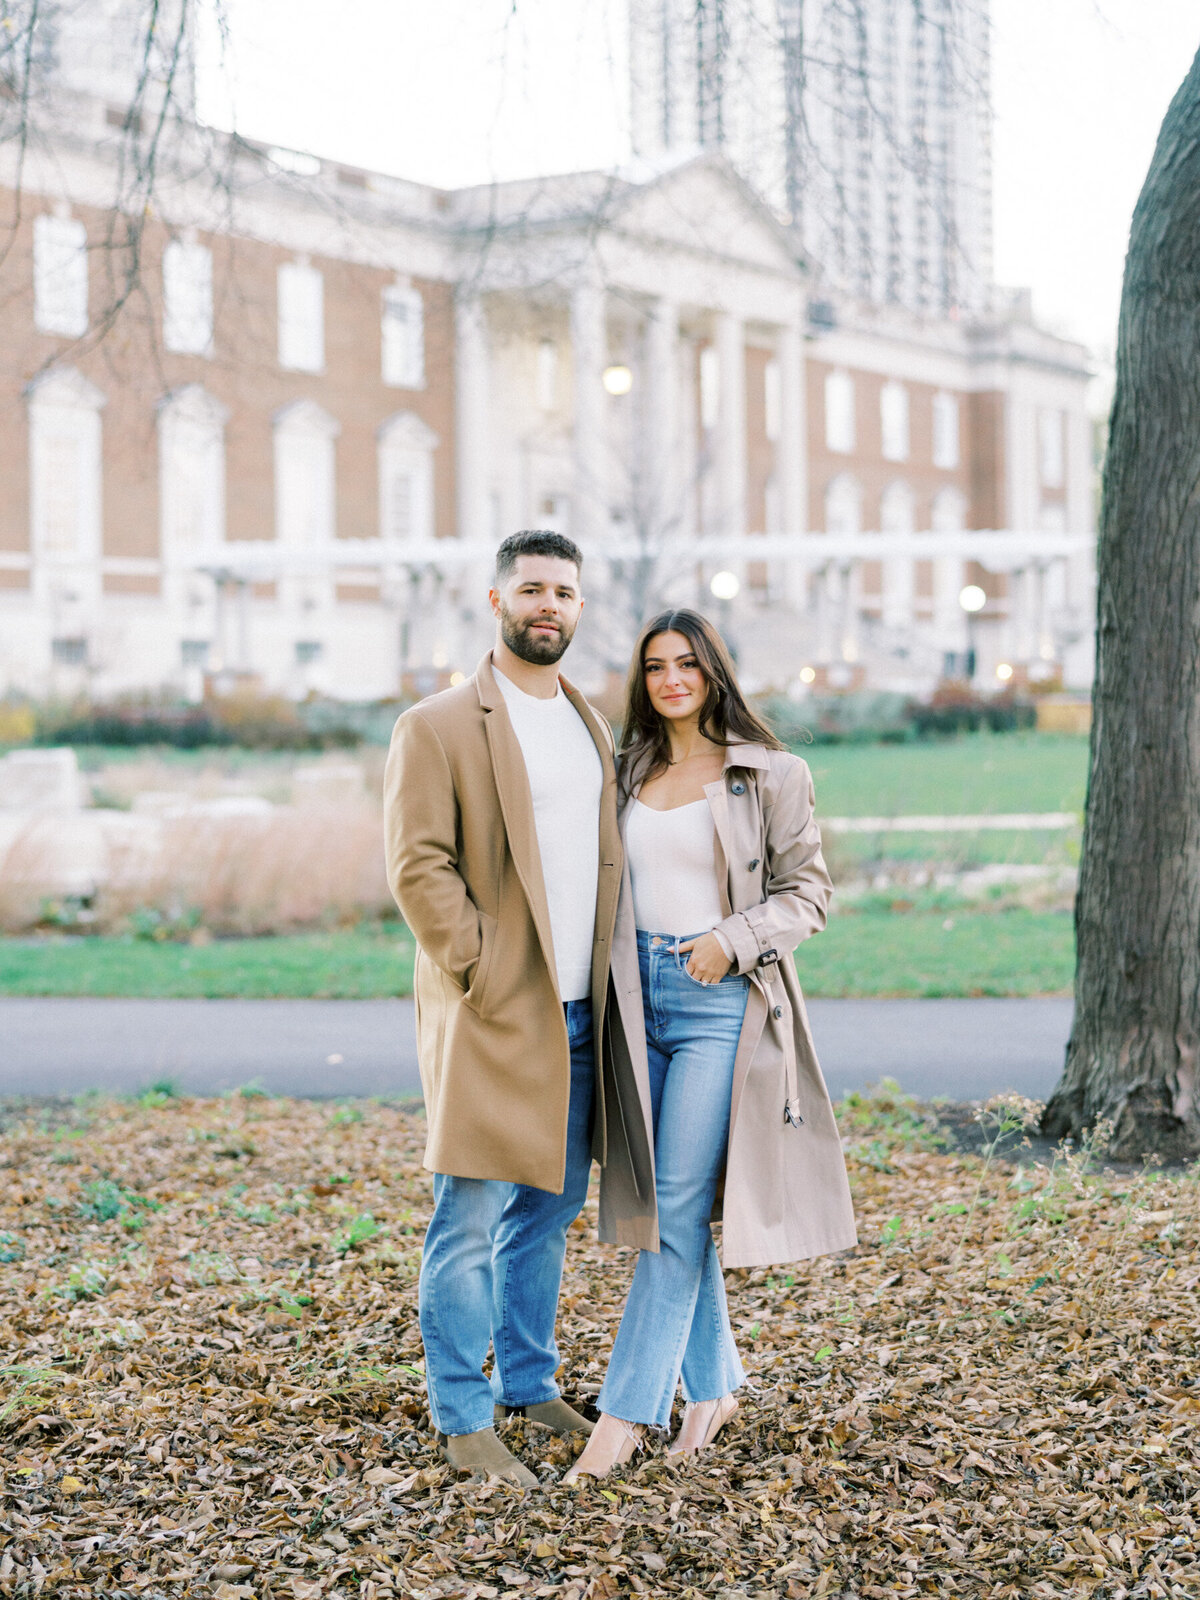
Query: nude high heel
[
  {"x": 603, "y": 1451},
  {"x": 719, "y": 1411}
]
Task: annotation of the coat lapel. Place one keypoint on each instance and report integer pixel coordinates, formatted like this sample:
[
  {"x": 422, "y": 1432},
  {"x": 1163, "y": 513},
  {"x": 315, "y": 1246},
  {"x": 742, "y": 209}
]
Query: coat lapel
[
  {"x": 608, "y": 878},
  {"x": 516, "y": 804}
]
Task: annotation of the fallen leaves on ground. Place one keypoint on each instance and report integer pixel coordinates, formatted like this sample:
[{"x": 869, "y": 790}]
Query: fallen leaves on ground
[{"x": 212, "y": 1380}]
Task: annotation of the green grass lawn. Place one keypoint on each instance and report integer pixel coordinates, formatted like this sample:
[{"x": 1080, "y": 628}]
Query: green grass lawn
[
  {"x": 977, "y": 772},
  {"x": 863, "y": 953},
  {"x": 337, "y": 966}
]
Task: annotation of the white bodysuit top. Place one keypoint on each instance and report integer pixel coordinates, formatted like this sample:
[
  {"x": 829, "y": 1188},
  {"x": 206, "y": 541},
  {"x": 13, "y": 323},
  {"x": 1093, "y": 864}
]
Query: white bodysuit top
[{"x": 673, "y": 870}]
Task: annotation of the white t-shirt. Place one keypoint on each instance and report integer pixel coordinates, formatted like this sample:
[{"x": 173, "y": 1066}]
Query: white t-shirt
[{"x": 566, "y": 779}]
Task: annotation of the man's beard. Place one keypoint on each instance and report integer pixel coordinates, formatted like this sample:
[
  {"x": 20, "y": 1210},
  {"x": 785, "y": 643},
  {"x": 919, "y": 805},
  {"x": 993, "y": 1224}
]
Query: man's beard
[{"x": 538, "y": 649}]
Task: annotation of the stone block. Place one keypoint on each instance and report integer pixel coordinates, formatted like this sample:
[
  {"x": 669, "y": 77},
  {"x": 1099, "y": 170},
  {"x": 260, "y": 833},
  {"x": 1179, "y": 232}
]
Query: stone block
[{"x": 40, "y": 780}]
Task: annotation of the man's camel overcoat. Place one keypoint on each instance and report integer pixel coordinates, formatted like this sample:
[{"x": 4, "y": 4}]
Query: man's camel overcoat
[
  {"x": 464, "y": 866},
  {"x": 786, "y": 1195}
]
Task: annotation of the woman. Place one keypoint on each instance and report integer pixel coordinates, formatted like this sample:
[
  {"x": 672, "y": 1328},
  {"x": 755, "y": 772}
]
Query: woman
[{"x": 727, "y": 878}]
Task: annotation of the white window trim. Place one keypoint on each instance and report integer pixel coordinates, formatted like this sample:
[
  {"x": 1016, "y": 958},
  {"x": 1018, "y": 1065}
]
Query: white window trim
[
  {"x": 300, "y": 307},
  {"x": 191, "y": 411},
  {"x": 187, "y": 271},
  {"x": 894, "y": 421},
  {"x": 409, "y": 372},
  {"x": 60, "y": 276},
  {"x": 306, "y": 424},
  {"x": 62, "y": 402},
  {"x": 843, "y": 493},
  {"x": 897, "y": 509},
  {"x": 406, "y": 444},
  {"x": 840, "y": 422},
  {"x": 947, "y": 431}
]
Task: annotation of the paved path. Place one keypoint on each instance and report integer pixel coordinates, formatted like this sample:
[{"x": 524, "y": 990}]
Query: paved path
[{"x": 964, "y": 1049}]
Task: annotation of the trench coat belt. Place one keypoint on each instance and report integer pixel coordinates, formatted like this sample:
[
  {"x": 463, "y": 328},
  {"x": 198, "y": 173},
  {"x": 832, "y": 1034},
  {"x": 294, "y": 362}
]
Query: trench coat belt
[{"x": 772, "y": 982}]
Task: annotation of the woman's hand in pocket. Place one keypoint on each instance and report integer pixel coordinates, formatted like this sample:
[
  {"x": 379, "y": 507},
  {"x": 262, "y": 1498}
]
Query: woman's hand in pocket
[{"x": 708, "y": 962}]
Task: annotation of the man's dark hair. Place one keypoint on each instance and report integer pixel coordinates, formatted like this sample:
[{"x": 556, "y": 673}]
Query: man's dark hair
[{"x": 535, "y": 542}]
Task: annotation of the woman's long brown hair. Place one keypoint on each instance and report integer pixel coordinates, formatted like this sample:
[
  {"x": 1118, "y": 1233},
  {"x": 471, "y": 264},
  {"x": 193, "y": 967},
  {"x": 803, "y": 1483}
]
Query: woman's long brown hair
[{"x": 725, "y": 718}]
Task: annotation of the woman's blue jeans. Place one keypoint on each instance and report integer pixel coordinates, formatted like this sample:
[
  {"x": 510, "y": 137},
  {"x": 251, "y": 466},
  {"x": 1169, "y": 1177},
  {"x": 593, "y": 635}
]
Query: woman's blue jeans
[
  {"x": 491, "y": 1270},
  {"x": 676, "y": 1322}
]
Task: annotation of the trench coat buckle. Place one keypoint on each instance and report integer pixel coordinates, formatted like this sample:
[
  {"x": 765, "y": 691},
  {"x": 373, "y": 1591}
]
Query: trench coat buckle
[
  {"x": 791, "y": 1113},
  {"x": 769, "y": 958}
]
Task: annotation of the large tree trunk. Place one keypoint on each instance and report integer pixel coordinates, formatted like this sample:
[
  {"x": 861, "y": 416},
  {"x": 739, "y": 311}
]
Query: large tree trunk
[{"x": 1132, "y": 1058}]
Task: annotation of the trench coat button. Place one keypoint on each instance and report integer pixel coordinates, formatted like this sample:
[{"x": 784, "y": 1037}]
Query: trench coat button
[
  {"x": 738, "y": 788},
  {"x": 752, "y": 865},
  {"x": 778, "y": 1011}
]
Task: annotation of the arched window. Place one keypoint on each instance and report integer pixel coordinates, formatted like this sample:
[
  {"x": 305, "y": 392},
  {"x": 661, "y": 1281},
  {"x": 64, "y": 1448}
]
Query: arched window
[
  {"x": 843, "y": 504},
  {"x": 949, "y": 511},
  {"x": 191, "y": 471},
  {"x": 65, "y": 466},
  {"x": 305, "y": 477},
  {"x": 896, "y": 510},
  {"x": 406, "y": 447}
]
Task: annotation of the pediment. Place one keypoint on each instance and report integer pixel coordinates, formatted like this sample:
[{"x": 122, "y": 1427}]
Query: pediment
[{"x": 704, "y": 206}]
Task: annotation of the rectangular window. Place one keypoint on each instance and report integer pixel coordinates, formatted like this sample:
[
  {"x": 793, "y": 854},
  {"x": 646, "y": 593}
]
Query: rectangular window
[
  {"x": 60, "y": 276},
  {"x": 839, "y": 413},
  {"x": 945, "y": 431},
  {"x": 893, "y": 419},
  {"x": 301, "y": 296},
  {"x": 396, "y": 508},
  {"x": 772, "y": 401},
  {"x": 403, "y": 338},
  {"x": 308, "y": 651},
  {"x": 193, "y": 652},
  {"x": 187, "y": 299},
  {"x": 1050, "y": 449},
  {"x": 69, "y": 652}
]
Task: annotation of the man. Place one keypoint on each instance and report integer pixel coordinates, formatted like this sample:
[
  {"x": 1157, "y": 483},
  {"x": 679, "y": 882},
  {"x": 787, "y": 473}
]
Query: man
[{"x": 504, "y": 856}]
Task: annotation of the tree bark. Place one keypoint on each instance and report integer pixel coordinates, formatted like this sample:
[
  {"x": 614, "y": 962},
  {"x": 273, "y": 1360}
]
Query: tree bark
[{"x": 1132, "y": 1057}]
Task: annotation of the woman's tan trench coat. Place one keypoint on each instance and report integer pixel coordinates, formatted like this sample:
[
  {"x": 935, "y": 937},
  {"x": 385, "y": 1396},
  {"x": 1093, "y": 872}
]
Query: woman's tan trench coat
[
  {"x": 463, "y": 864},
  {"x": 786, "y": 1194}
]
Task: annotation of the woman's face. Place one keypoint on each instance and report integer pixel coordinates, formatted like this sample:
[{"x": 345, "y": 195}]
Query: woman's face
[{"x": 674, "y": 680}]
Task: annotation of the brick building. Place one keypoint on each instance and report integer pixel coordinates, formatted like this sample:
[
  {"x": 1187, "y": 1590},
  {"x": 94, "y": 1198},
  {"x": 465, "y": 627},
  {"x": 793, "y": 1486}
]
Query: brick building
[{"x": 289, "y": 448}]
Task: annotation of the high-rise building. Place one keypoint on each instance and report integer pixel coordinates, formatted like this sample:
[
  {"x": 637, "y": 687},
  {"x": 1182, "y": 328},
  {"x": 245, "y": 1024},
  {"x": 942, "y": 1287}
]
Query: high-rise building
[
  {"x": 121, "y": 51},
  {"x": 866, "y": 122}
]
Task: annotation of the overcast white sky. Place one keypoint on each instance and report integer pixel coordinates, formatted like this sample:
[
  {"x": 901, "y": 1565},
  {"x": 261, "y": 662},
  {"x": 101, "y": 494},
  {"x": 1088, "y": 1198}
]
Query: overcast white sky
[{"x": 459, "y": 91}]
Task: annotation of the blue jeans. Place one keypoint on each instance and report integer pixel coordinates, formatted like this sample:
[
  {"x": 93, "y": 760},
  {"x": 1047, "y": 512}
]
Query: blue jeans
[
  {"x": 491, "y": 1268},
  {"x": 676, "y": 1322}
]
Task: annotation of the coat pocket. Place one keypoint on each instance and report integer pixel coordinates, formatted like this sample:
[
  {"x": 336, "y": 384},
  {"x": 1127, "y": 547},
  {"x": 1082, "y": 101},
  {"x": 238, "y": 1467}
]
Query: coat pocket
[{"x": 477, "y": 988}]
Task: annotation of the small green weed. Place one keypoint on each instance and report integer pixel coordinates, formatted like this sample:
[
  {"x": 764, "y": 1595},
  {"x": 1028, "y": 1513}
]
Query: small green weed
[
  {"x": 361, "y": 1231},
  {"x": 103, "y": 1200},
  {"x": 11, "y": 1249},
  {"x": 85, "y": 1281}
]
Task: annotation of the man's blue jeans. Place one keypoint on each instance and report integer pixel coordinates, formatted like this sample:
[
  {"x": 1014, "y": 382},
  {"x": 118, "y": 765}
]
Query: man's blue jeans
[
  {"x": 676, "y": 1321},
  {"x": 492, "y": 1268}
]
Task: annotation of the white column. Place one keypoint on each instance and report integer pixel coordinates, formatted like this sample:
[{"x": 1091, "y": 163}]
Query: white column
[
  {"x": 689, "y": 463},
  {"x": 472, "y": 421},
  {"x": 730, "y": 441},
  {"x": 791, "y": 454},
  {"x": 662, "y": 487},
  {"x": 589, "y": 344}
]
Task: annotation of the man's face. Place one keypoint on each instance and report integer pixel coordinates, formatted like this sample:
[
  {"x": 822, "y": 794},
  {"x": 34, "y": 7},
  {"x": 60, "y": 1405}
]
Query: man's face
[{"x": 537, "y": 606}]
